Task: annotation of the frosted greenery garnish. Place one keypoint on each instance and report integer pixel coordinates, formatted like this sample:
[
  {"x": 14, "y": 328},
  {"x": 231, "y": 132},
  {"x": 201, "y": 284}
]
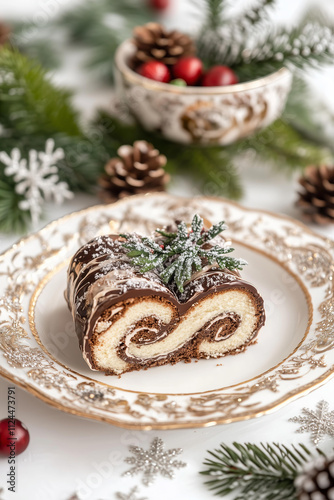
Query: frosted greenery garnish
[{"x": 177, "y": 255}]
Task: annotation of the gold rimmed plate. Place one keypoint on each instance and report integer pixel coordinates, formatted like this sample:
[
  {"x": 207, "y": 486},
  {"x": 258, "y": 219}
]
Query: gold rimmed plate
[{"x": 291, "y": 266}]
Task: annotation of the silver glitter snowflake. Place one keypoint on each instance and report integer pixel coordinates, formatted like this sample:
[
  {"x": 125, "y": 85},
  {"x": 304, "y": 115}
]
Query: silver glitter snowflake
[
  {"x": 154, "y": 461},
  {"x": 132, "y": 495},
  {"x": 318, "y": 422},
  {"x": 36, "y": 179}
]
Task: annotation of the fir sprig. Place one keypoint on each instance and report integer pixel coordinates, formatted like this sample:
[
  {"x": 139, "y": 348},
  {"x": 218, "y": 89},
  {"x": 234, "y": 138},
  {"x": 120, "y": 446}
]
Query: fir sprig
[
  {"x": 29, "y": 102},
  {"x": 180, "y": 253},
  {"x": 214, "y": 14},
  {"x": 265, "y": 472},
  {"x": 253, "y": 15},
  {"x": 253, "y": 53},
  {"x": 287, "y": 149},
  {"x": 11, "y": 218},
  {"x": 304, "y": 47},
  {"x": 102, "y": 25},
  {"x": 32, "y": 110}
]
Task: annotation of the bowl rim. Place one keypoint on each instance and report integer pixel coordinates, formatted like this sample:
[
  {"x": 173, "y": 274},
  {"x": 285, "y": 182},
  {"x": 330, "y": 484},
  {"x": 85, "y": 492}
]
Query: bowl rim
[{"x": 134, "y": 77}]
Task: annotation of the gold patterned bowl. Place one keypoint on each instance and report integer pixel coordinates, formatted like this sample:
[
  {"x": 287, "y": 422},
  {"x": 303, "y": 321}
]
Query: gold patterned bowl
[{"x": 200, "y": 115}]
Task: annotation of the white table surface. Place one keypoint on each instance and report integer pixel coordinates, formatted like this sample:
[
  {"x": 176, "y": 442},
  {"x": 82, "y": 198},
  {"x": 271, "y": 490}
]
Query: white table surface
[{"x": 67, "y": 453}]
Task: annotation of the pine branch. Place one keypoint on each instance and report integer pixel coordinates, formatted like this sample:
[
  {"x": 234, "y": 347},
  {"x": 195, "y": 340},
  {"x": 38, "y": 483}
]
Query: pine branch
[
  {"x": 102, "y": 27},
  {"x": 84, "y": 22},
  {"x": 285, "y": 148},
  {"x": 29, "y": 102},
  {"x": 214, "y": 14},
  {"x": 36, "y": 43},
  {"x": 32, "y": 110},
  {"x": 258, "y": 55},
  {"x": 253, "y": 16},
  {"x": 11, "y": 218},
  {"x": 221, "y": 41},
  {"x": 310, "y": 117},
  {"x": 301, "y": 48},
  {"x": 218, "y": 171},
  {"x": 265, "y": 472},
  {"x": 176, "y": 255}
]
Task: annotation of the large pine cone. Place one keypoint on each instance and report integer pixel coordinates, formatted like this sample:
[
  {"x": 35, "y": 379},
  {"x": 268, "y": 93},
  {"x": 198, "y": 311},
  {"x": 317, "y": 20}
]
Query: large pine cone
[
  {"x": 4, "y": 33},
  {"x": 317, "y": 198},
  {"x": 139, "y": 169},
  {"x": 154, "y": 43},
  {"x": 317, "y": 481}
]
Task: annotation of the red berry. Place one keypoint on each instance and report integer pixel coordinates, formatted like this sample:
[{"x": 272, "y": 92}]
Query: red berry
[
  {"x": 189, "y": 69},
  {"x": 162, "y": 246},
  {"x": 219, "y": 76},
  {"x": 155, "y": 70},
  {"x": 159, "y": 4},
  {"x": 14, "y": 437}
]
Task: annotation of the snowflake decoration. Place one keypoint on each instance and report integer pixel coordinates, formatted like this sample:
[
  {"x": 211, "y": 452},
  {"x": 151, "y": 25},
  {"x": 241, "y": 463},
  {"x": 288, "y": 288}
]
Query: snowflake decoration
[
  {"x": 132, "y": 495},
  {"x": 153, "y": 462},
  {"x": 36, "y": 179},
  {"x": 319, "y": 422}
]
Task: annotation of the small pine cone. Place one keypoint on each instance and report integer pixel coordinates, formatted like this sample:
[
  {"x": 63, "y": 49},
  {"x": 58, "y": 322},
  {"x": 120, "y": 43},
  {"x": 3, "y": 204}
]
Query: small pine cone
[
  {"x": 317, "y": 481},
  {"x": 139, "y": 169},
  {"x": 4, "y": 33},
  {"x": 155, "y": 43},
  {"x": 317, "y": 198}
]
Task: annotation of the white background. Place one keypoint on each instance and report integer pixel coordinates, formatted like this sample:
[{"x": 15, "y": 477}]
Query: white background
[{"x": 68, "y": 453}]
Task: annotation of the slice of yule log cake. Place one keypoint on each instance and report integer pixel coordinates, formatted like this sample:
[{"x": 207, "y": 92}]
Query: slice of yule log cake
[{"x": 139, "y": 302}]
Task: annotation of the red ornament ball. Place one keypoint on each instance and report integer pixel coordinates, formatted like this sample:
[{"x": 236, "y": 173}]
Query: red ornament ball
[
  {"x": 159, "y": 4},
  {"x": 155, "y": 70},
  {"x": 189, "y": 69},
  {"x": 219, "y": 76},
  {"x": 14, "y": 437}
]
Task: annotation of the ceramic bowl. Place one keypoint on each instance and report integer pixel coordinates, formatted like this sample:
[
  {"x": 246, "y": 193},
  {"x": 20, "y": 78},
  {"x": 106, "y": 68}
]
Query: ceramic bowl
[{"x": 200, "y": 115}]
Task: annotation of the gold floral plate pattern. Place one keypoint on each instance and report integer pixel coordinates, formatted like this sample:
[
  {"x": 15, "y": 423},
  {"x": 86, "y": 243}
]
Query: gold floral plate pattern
[{"x": 291, "y": 266}]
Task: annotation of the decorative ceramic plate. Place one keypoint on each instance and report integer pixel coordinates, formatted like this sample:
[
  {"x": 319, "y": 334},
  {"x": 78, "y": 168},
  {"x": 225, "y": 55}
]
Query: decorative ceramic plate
[{"x": 292, "y": 268}]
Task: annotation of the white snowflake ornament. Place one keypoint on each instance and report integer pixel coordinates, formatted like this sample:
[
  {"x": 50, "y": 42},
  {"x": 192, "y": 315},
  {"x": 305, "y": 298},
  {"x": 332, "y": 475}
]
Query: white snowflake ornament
[
  {"x": 36, "y": 179},
  {"x": 319, "y": 422},
  {"x": 154, "y": 461}
]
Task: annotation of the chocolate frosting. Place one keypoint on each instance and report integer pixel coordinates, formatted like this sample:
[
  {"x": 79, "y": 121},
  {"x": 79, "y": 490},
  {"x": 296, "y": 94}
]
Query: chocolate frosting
[{"x": 101, "y": 275}]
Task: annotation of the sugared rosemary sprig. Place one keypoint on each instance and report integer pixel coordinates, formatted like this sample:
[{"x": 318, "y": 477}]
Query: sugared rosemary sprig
[{"x": 176, "y": 255}]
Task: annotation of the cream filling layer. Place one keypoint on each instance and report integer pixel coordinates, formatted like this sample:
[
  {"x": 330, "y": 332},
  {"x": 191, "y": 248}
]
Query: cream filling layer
[
  {"x": 238, "y": 302},
  {"x": 105, "y": 349}
]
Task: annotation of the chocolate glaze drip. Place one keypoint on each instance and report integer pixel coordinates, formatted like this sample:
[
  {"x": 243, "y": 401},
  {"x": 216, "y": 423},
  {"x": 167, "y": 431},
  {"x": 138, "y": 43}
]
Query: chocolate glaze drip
[{"x": 101, "y": 275}]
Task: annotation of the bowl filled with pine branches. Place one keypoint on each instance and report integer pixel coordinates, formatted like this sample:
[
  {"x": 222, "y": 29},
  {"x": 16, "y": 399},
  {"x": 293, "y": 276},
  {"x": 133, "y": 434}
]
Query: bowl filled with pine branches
[{"x": 229, "y": 81}]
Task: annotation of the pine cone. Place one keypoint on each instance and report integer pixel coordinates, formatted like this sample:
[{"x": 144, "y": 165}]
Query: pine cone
[
  {"x": 317, "y": 481},
  {"x": 154, "y": 43},
  {"x": 4, "y": 33},
  {"x": 317, "y": 198},
  {"x": 139, "y": 169}
]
